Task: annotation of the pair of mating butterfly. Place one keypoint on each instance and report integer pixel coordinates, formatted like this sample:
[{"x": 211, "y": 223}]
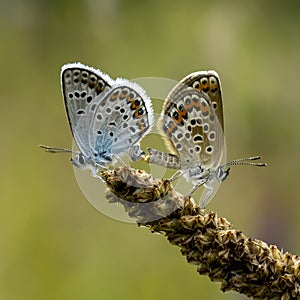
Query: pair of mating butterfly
[{"x": 109, "y": 117}]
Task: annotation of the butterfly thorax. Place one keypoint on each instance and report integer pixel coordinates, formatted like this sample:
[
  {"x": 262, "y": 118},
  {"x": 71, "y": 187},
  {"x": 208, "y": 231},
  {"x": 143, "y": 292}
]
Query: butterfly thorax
[{"x": 199, "y": 175}]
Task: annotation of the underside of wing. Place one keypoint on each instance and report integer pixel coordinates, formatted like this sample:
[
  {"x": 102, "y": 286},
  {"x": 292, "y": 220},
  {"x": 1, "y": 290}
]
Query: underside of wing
[
  {"x": 192, "y": 129},
  {"x": 82, "y": 87},
  {"x": 206, "y": 81},
  {"x": 121, "y": 119}
]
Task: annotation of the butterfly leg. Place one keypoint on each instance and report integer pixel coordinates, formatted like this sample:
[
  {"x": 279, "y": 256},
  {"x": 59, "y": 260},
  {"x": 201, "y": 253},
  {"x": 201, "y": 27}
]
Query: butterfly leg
[
  {"x": 206, "y": 196},
  {"x": 135, "y": 152},
  {"x": 195, "y": 187},
  {"x": 94, "y": 172},
  {"x": 176, "y": 175}
]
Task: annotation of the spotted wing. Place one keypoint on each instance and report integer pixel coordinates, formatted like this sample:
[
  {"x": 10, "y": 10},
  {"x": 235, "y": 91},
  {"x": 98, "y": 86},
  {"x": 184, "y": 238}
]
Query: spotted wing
[
  {"x": 82, "y": 87},
  {"x": 122, "y": 117},
  {"x": 207, "y": 82},
  {"x": 192, "y": 129}
]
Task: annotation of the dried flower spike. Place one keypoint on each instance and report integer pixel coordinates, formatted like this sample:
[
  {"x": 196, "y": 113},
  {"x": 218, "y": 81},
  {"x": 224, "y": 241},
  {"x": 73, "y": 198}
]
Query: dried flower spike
[{"x": 247, "y": 266}]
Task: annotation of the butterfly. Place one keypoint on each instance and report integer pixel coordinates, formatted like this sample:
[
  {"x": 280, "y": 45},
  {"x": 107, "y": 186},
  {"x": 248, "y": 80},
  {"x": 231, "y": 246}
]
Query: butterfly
[
  {"x": 192, "y": 125},
  {"x": 107, "y": 117}
]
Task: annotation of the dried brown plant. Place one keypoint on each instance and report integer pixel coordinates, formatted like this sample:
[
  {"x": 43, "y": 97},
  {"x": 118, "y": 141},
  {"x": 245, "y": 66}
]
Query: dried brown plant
[{"x": 242, "y": 264}]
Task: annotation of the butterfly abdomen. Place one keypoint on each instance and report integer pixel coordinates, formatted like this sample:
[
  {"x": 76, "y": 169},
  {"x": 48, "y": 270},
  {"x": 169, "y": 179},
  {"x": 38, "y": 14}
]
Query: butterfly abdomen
[{"x": 167, "y": 160}]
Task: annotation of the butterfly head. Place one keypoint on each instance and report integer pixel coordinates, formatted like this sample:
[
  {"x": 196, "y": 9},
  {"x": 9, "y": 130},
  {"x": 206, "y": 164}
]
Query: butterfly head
[
  {"x": 99, "y": 160},
  {"x": 221, "y": 173}
]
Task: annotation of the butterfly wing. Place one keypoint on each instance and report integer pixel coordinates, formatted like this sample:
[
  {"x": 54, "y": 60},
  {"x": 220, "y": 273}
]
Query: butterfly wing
[
  {"x": 192, "y": 129},
  {"x": 207, "y": 82},
  {"x": 82, "y": 87},
  {"x": 122, "y": 117}
]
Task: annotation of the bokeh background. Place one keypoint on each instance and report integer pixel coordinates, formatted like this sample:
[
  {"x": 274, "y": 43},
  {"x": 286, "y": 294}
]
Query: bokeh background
[{"x": 53, "y": 243}]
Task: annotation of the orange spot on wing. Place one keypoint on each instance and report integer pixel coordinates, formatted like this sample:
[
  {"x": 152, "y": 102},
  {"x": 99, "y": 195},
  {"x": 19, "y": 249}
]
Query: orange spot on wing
[
  {"x": 205, "y": 86},
  {"x": 129, "y": 99},
  {"x": 180, "y": 119},
  {"x": 183, "y": 113},
  {"x": 171, "y": 129},
  {"x": 193, "y": 104},
  {"x": 204, "y": 109},
  {"x": 113, "y": 97},
  {"x": 141, "y": 125},
  {"x": 136, "y": 114}
]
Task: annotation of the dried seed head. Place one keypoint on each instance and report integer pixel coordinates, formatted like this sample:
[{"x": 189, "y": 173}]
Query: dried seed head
[{"x": 248, "y": 266}]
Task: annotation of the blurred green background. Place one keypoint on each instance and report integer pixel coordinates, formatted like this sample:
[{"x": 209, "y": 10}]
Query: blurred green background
[{"x": 54, "y": 244}]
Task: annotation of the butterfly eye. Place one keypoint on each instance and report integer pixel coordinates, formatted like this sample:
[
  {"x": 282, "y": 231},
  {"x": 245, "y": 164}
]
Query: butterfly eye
[{"x": 81, "y": 159}]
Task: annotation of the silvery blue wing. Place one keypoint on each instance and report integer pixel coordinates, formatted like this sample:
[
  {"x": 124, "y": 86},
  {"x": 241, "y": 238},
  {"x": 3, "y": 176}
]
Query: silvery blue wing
[{"x": 107, "y": 117}]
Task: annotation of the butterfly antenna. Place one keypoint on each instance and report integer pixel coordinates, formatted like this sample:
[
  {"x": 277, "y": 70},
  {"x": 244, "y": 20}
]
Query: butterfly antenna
[
  {"x": 56, "y": 150},
  {"x": 246, "y": 162}
]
